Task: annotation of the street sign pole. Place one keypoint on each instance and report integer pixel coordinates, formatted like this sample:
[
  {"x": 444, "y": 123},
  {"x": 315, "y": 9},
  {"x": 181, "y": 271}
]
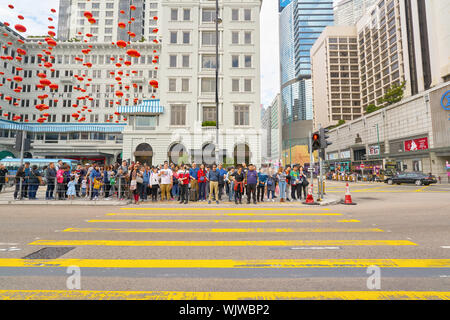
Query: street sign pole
[
  {"x": 311, "y": 158},
  {"x": 22, "y": 143}
]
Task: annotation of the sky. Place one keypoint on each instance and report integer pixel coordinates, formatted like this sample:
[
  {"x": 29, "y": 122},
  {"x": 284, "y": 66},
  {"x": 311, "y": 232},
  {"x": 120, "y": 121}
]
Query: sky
[{"x": 36, "y": 13}]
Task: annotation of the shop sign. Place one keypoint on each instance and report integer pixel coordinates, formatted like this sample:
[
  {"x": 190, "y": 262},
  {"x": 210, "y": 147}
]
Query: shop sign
[
  {"x": 345, "y": 154},
  {"x": 416, "y": 144},
  {"x": 332, "y": 156},
  {"x": 374, "y": 150}
]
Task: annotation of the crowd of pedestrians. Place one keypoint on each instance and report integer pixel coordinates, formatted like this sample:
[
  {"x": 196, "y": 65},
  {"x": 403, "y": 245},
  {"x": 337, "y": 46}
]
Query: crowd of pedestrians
[{"x": 166, "y": 182}]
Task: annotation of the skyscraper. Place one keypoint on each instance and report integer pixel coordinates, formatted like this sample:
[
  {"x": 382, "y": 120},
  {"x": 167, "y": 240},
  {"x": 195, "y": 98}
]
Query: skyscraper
[
  {"x": 348, "y": 12},
  {"x": 301, "y": 23}
]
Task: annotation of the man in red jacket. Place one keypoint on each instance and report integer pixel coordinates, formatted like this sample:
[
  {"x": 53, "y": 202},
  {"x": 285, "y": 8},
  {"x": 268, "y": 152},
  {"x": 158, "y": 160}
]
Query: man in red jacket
[{"x": 184, "y": 178}]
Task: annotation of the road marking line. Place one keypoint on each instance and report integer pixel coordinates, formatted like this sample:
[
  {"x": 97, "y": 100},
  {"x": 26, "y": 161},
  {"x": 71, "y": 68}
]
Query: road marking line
[
  {"x": 316, "y": 248},
  {"x": 421, "y": 189},
  {"x": 223, "y": 209},
  {"x": 224, "y": 243},
  {"x": 221, "y": 214},
  {"x": 220, "y": 221},
  {"x": 218, "y": 230},
  {"x": 257, "y": 295},
  {"x": 445, "y": 247},
  {"x": 228, "y": 263}
]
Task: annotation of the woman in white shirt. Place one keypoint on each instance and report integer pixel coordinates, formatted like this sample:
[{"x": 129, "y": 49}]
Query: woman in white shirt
[{"x": 154, "y": 184}]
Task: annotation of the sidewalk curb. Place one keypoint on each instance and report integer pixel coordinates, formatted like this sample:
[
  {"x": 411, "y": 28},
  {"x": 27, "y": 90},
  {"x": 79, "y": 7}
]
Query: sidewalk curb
[
  {"x": 330, "y": 201},
  {"x": 66, "y": 202}
]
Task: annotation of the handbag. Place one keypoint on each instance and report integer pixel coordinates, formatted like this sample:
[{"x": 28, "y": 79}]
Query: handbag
[
  {"x": 305, "y": 183},
  {"x": 139, "y": 179}
]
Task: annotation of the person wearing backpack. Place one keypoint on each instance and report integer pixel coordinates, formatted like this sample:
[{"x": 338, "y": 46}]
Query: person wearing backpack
[
  {"x": 303, "y": 182},
  {"x": 50, "y": 175},
  {"x": 34, "y": 181},
  {"x": 60, "y": 189},
  {"x": 262, "y": 178},
  {"x": 271, "y": 184}
]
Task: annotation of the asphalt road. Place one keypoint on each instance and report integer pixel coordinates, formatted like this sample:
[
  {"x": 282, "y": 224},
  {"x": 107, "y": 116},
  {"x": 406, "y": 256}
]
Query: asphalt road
[{"x": 271, "y": 250}]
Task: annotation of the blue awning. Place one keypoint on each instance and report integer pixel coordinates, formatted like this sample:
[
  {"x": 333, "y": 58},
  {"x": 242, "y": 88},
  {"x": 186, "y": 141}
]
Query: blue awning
[
  {"x": 147, "y": 106},
  {"x": 62, "y": 127}
]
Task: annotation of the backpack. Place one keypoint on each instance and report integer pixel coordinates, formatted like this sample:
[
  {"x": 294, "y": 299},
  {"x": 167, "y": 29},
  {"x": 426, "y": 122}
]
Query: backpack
[{"x": 60, "y": 177}]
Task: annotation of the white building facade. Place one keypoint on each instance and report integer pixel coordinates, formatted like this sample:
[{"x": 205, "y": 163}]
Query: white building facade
[{"x": 182, "y": 124}]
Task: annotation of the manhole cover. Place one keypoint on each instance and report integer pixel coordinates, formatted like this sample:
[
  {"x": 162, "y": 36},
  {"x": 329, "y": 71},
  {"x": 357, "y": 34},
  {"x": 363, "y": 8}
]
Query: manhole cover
[{"x": 49, "y": 253}]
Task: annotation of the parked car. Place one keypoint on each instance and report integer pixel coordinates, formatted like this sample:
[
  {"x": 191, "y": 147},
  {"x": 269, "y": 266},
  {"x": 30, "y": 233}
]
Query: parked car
[{"x": 417, "y": 178}]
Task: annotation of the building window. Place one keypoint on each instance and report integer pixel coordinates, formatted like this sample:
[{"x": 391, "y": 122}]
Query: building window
[
  {"x": 174, "y": 14},
  {"x": 146, "y": 122},
  {"x": 178, "y": 115},
  {"x": 235, "y": 61},
  {"x": 173, "y": 61},
  {"x": 248, "y": 61},
  {"x": 209, "y": 113},
  {"x": 208, "y": 85},
  {"x": 173, "y": 37},
  {"x": 248, "y": 85},
  {"x": 241, "y": 115},
  {"x": 172, "y": 85},
  {"x": 247, "y": 14},
  {"x": 208, "y": 61},
  {"x": 186, "y": 14},
  {"x": 248, "y": 37},
  {"x": 235, "y": 37},
  {"x": 235, "y": 85},
  {"x": 185, "y": 85},
  {"x": 208, "y": 15},
  {"x": 208, "y": 38},
  {"x": 185, "y": 61},
  {"x": 235, "y": 14},
  {"x": 186, "y": 37}
]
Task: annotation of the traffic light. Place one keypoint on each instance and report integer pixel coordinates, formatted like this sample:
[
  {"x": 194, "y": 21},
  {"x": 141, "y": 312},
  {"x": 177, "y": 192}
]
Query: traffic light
[
  {"x": 323, "y": 138},
  {"x": 315, "y": 143}
]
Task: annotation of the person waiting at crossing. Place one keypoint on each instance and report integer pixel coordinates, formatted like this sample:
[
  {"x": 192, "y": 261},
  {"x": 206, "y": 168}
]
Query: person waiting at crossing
[
  {"x": 183, "y": 179},
  {"x": 238, "y": 178},
  {"x": 213, "y": 178}
]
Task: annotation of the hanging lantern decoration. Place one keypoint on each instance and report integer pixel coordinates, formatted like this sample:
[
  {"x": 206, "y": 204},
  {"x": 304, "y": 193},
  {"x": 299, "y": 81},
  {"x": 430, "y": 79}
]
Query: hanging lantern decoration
[{"x": 20, "y": 28}]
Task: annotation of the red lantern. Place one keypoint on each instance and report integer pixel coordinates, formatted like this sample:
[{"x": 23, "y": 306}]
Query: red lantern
[{"x": 20, "y": 28}]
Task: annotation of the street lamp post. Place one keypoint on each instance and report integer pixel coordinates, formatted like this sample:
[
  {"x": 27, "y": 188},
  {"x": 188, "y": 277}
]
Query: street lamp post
[{"x": 217, "y": 81}]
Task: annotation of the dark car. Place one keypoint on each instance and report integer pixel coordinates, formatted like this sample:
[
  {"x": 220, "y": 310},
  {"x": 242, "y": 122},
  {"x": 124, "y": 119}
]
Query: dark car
[{"x": 417, "y": 178}]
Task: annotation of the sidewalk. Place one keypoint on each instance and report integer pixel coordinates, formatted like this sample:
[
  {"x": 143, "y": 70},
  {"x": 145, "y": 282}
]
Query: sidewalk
[{"x": 7, "y": 198}]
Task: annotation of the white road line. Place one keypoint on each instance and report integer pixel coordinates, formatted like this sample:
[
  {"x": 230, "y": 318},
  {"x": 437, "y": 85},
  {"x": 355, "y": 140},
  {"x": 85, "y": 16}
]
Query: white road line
[
  {"x": 8, "y": 244},
  {"x": 445, "y": 247}
]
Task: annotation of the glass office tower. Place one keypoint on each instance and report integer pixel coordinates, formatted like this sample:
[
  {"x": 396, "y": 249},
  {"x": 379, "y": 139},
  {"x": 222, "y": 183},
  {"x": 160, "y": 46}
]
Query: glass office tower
[{"x": 301, "y": 23}]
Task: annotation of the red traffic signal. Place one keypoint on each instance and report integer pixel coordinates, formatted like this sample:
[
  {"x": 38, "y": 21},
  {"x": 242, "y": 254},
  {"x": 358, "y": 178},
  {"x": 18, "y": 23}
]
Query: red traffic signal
[{"x": 315, "y": 143}]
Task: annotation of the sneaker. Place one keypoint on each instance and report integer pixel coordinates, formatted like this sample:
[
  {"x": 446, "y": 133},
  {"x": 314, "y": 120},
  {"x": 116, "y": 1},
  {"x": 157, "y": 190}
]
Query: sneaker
[
  {"x": 217, "y": 202},
  {"x": 209, "y": 202}
]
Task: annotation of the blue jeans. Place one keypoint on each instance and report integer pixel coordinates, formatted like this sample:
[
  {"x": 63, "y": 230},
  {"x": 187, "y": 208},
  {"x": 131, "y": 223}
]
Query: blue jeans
[
  {"x": 201, "y": 191},
  {"x": 231, "y": 191},
  {"x": 32, "y": 190},
  {"x": 50, "y": 189},
  {"x": 268, "y": 193},
  {"x": 282, "y": 185},
  {"x": 175, "y": 190}
]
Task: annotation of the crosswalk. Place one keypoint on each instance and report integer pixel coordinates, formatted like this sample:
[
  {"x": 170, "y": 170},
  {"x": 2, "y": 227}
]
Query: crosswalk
[{"x": 246, "y": 229}]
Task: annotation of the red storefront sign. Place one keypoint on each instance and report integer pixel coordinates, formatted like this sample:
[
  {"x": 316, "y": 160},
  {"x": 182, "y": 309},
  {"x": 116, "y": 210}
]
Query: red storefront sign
[{"x": 416, "y": 144}]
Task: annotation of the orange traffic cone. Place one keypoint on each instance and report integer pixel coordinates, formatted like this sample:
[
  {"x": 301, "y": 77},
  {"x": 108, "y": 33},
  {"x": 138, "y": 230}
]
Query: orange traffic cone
[
  {"x": 348, "y": 196},
  {"x": 309, "y": 197}
]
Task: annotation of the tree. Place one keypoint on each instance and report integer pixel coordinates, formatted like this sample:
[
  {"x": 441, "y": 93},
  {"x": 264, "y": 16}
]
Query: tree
[
  {"x": 393, "y": 95},
  {"x": 340, "y": 122},
  {"x": 371, "y": 108}
]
